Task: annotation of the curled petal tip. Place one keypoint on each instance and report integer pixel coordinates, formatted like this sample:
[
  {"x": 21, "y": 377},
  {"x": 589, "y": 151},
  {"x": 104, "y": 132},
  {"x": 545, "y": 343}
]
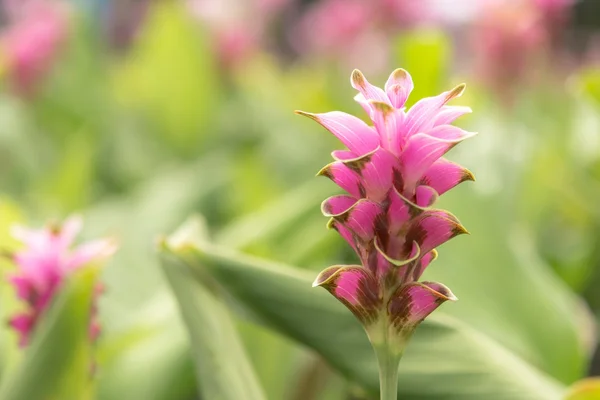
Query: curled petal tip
[
  {"x": 459, "y": 229},
  {"x": 381, "y": 106},
  {"x": 468, "y": 176},
  {"x": 325, "y": 171},
  {"x": 355, "y": 287},
  {"x": 398, "y": 263},
  {"x": 357, "y": 78},
  {"x": 413, "y": 302},
  {"x": 456, "y": 92},
  {"x": 441, "y": 291},
  {"x": 330, "y": 223},
  {"x": 400, "y": 73},
  {"x": 326, "y": 275},
  {"x": 306, "y": 114}
]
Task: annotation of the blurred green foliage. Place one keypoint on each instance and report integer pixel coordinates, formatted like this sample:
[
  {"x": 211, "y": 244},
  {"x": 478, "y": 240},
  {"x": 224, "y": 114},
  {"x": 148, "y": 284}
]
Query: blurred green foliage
[{"x": 139, "y": 140}]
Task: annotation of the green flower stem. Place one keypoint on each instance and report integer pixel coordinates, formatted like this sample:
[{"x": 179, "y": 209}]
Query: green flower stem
[{"x": 388, "y": 362}]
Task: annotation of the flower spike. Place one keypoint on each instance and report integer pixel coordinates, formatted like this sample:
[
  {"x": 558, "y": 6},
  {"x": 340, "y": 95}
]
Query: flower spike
[
  {"x": 393, "y": 172},
  {"x": 44, "y": 263}
]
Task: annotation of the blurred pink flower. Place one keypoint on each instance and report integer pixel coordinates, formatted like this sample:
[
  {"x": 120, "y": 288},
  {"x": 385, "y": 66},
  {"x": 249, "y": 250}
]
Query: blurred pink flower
[
  {"x": 506, "y": 38},
  {"x": 239, "y": 28},
  {"x": 393, "y": 172},
  {"x": 234, "y": 45},
  {"x": 353, "y": 30},
  {"x": 510, "y": 38},
  {"x": 334, "y": 24},
  {"x": 37, "y": 30},
  {"x": 47, "y": 259}
]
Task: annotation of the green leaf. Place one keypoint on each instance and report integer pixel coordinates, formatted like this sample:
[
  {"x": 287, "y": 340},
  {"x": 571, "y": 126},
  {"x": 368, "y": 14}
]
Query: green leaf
[
  {"x": 445, "y": 360},
  {"x": 58, "y": 363},
  {"x": 505, "y": 289},
  {"x": 223, "y": 371},
  {"x": 150, "y": 360}
]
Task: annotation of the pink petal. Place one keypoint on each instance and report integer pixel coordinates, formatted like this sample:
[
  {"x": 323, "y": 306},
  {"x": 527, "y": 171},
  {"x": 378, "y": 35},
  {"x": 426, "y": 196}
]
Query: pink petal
[
  {"x": 23, "y": 324},
  {"x": 97, "y": 250},
  {"x": 23, "y": 286},
  {"x": 376, "y": 172},
  {"x": 353, "y": 132},
  {"x": 344, "y": 177},
  {"x": 38, "y": 266},
  {"x": 385, "y": 120},
  {"x": 69, "y": 231},
  {"x": 433, "y": 228},
  {"x": 370, "y": 92},
  {"x": 421, "y": 116},
  {"x": 422, "y": 150},
  {"x": 413, "y": 302},
  {"x": 344, "y": 155},
  {"x": 400, "y": 212},
  {"x": 449, "y": 114},
  {"x": 360, "y": 219},
  {"x": 34, "y": 238},
  {"x": 398, "y": 87},
  {"x": 336, "y": 205},
  {"x": 362, "y": 250},
  {"x": 94, "y": 330},
  {"x": 406, "y": 259},
  {"x": 443, "y": 175},
  {"x": 425, "y": 196},
  {"x": 423, "y": 263},
  {"x": 450, "y": 133},
  {"x": 364, "y": 103},
  {"x": 356, "y": 288}
]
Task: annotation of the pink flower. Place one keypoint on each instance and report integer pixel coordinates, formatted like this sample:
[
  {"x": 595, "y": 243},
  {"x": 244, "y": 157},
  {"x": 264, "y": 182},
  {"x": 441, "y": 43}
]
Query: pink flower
[
  {"x": 239, "y": 27},
  {"x": 37, "y": 31},
  {"x": 510, "y": 40},
  {"x": 392, "y": 171},
  {"x": 47, "y": 259},
  {"x": 357, "y": 30}
]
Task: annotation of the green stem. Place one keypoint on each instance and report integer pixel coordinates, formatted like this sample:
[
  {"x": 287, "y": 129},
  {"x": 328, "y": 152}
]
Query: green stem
[{"x": 388, "y": 371}]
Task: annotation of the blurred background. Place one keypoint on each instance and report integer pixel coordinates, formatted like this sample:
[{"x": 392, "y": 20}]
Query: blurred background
[{"x": 138, "y": 113}]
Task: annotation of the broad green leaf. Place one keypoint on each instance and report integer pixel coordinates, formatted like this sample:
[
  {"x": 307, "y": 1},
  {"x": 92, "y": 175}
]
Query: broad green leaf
[
  {"x": 144, "y": 350},
  {"x": 223, "y": 371},
  {"x": 506, "y": 291},
  {"x": 150, "y": 359},
  {"x": 277, "y": 219},
  {"x": 58, "y": 362},
  {"x": 587, "y": 389},
  {"x": 445, "y": 360}
]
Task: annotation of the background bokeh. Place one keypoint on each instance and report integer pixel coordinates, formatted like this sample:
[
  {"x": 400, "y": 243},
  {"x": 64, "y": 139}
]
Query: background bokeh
[{"x": 138, "y": 113}]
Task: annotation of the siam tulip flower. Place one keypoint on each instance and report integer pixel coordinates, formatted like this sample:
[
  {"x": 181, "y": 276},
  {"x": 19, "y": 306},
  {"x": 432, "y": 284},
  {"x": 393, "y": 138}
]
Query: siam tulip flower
[
  {"x": 47, "y": 259},
  {"x": 392, "y": 173},
  {"x": 37, "y": 30}
]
